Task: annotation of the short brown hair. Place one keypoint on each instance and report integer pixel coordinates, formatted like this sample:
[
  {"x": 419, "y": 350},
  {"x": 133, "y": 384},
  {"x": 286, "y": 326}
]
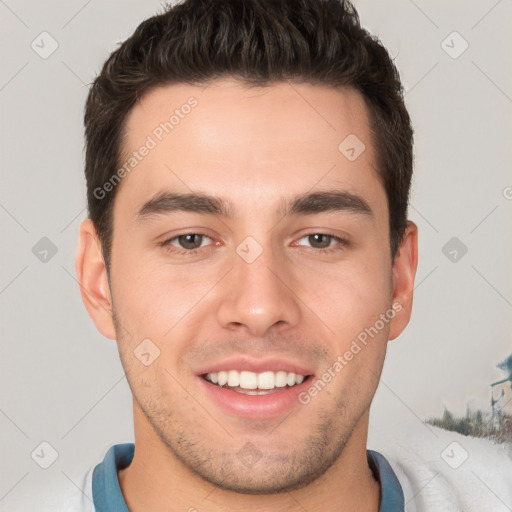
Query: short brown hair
[{"x": 259, "y": 42}]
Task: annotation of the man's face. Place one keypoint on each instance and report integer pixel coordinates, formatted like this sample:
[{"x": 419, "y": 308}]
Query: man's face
[{"x": 262, "y": 290}]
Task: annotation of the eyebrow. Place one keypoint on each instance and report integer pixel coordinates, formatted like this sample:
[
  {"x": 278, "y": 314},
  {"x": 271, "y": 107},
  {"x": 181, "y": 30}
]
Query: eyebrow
[{"x": 310, "y": 203}]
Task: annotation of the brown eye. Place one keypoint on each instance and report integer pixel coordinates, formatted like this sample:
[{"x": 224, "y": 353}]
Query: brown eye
[
  {"x": 190, "y": 241},
  {"x": 320, "y": 240},
  {"x": 186, "y": 243}
]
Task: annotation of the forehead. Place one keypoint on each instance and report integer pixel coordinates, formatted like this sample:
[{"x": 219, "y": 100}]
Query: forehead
[{"x": 258, "y": 142}]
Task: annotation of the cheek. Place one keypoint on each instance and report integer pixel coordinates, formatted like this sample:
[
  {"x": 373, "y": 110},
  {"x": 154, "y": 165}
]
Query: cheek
[
  {"x": 160, "y": 302},
  {"x": 146, "y": 290},
  {"x": 350, "y": 299}
]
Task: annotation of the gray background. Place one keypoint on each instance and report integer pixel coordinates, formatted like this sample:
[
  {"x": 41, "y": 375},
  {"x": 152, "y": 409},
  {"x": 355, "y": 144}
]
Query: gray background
[{"x": 62, "y": 382}]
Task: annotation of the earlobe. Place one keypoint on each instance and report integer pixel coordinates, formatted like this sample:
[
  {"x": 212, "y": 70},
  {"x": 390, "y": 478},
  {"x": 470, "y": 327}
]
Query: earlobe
[
  {"x": 404, "y": 272},
  {"x": 93, "y": 280}
]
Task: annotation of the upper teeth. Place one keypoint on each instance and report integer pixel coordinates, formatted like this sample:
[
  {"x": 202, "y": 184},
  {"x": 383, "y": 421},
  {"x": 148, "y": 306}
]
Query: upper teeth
[{"x": 251, "y": 380}]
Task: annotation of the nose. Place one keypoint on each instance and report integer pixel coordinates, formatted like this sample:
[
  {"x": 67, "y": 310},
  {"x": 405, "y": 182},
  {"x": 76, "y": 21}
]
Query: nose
[{"x": 259, "y": 295}]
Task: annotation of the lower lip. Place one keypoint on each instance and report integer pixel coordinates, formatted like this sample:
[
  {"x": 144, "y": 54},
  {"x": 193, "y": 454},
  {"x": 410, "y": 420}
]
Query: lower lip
[{"x": 254, "y": 406}]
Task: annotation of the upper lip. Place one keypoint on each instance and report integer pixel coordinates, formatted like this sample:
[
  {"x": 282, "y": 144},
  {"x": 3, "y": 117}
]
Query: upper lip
[{"x": 256, "y": 365}]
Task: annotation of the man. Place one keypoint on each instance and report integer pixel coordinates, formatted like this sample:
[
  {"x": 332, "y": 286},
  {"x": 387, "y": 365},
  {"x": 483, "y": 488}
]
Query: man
[{"x": 248, "y": 167}]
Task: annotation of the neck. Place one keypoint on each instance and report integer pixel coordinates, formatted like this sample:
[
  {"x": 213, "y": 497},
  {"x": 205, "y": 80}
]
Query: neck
[{"x": 156, "y": 480}]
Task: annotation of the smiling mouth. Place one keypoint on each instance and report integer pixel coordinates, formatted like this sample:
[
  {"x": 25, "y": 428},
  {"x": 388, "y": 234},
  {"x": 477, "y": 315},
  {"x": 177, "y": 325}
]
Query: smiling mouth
[{"x": 251, "y": 383}]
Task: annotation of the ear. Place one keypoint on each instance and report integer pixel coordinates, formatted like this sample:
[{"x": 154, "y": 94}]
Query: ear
[
  {"x": 404, "y": 272},
  {"x": 93, "y": 280}
]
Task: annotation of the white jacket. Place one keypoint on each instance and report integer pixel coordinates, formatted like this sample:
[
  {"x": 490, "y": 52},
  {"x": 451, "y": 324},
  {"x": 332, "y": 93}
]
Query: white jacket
[{"x": 439, "y": 471}]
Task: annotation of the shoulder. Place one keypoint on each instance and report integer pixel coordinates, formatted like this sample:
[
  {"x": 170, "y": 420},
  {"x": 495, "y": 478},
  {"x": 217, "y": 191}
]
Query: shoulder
[
  {"x": 442, "y": 471},
  {"x": 78, "y": 499}
]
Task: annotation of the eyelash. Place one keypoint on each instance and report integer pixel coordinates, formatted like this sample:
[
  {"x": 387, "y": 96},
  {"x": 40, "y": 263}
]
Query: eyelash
[{"x": 167, "y": 244}]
